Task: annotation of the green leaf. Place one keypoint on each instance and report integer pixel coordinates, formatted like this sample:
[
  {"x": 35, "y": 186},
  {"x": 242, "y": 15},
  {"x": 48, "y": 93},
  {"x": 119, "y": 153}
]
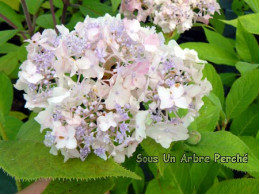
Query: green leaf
[
  {"x": 207, "y": 119},
  {"x": 28, "y": 158},
  {"x": 30, "y": 131},
  {"x": 217, "y": 39},
  {"x": 225, "y": 173},
  {"x": 98, "y": 186},
  {"x": 225, "y": 144},
  {"x": 18, "y": 115},
  {"x": 6, "y": 94},
  {"x": 58, "y": 3},
  {"x": 179, "y": 173},
  {"x": 176, "y": 177},
  {"x": 247, "y": 123},
  {"x": 239, "y": 7},
  {"x": 94, "y": 8},
  {"x": 9, "y": 13},
  {"x": 5, "y": 35},
  {"x": 210, "y": 73},
  {"x": 212, "y": 53},
  {"x": 138, "y": 185},
  {"x": 154, "y": 149},
  {"x": 246, "y": 45},
  {"x": 252, "y": 143},
  {"x": 203, "y": 176},
  {"x": 218, "y": 25},
  {"x": 243, "y": 92},
  {"x": 244, "y": 67},
  {"x": 33, "y": 5},
  {"x": 77, "y": 17},
  {"x": 250, "y": 22},
  {"x": 45, "y": 21},
  {"x": 228, "y": 78},
  {"x": 8, "y": 47},
  {"x": 14, "y": 4},
  {"x": 253, "y": 4},
  {"x": 8, "y": 63},
  {"x": 236, "y": 186},
  {"x": 115, "y": 4},
  {"x": 12, "y": 126},
  {"x": 161, "y": 186}
]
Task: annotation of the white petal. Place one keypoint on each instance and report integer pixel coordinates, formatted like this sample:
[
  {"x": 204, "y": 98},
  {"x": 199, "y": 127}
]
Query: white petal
[
  {"x": 165, "y": 97},
  {"x": 165, "y": 134},
  {"x": 71, "y": 143},
  {"x": 140, "y": 119},
  {"x": 177, "y": 90},
  {"x": 181, "y": 102},
  {"x": 59, "y": 94}
]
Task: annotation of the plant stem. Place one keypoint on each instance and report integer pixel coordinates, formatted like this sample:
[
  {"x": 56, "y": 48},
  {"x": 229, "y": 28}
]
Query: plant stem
[
  {"x": 27, "y": 17},
  {"x": 11, "y": 24},
  {"x": 66, "y": 3},
  {"x": 53, "y": 16}
]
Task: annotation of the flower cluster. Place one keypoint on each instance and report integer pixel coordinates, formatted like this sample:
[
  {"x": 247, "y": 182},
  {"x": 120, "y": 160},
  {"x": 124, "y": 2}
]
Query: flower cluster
[
  {"x": 170, "y": 15},
  {"x": 107, "y": 85}
]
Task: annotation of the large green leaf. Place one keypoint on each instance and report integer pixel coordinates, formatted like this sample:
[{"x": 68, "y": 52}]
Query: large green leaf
[
  {"x": 138, "y": 185},
  {"x": 252, "y": 143},
  {"x": 6, "y": 94},
  {"x": 210, "y": 73},
  {"x": 9, "y": 13},
  {"x": 30, "y": 131},
  {"x": 176, "y": 178},
  {"x": 212, "y": 53},
  {"x": 253, "y": 4},
  {"x": 7, "y": 47},
  {"x": 225, "y": 144},
  {"x": 14, "y": 4},
  {"x": 239, "y": 7},
  {"x": 5, "y": 35},
  {"x": 203, "y": 176},
  {"x": 246, "y": 45},
  {"x": 244, "y": 67},
  {"x": 216, "y": 23},
  {"x": 18, "y": 115},
  {"x": 9, "y": 62},
  {"x": 242, "y": 93},
  {"x": 247, "y": 123},
  {"x": 208, "y": 117},
  {"x": 94, "y": 8},
  {"x": 12, "y": 126},
  {"x": 33, "y": 5},
  {"x": 28, "y": 158},
  {"x": 219, "y": 40},
  {"x": 250, "y": 22},
  {"x": 98, "y": 186},
  {"x": 46, "y": 21},
  {"x": 154, "y": 149},
  {"x": 236, "y": 186}
]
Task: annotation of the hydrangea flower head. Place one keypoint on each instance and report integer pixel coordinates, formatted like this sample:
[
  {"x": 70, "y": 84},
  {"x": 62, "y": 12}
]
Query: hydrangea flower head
[
  {"x": 107, "y": 85},
  {"x": 170, "y": 15}
]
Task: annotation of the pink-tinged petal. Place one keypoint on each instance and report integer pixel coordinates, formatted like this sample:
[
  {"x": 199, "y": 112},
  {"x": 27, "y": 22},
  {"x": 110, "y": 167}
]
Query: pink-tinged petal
[{"x": 151, "y": 42}]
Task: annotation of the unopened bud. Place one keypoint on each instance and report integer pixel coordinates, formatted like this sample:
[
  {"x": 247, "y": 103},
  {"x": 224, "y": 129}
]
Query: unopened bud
[{"x": 194, "y": 138}]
